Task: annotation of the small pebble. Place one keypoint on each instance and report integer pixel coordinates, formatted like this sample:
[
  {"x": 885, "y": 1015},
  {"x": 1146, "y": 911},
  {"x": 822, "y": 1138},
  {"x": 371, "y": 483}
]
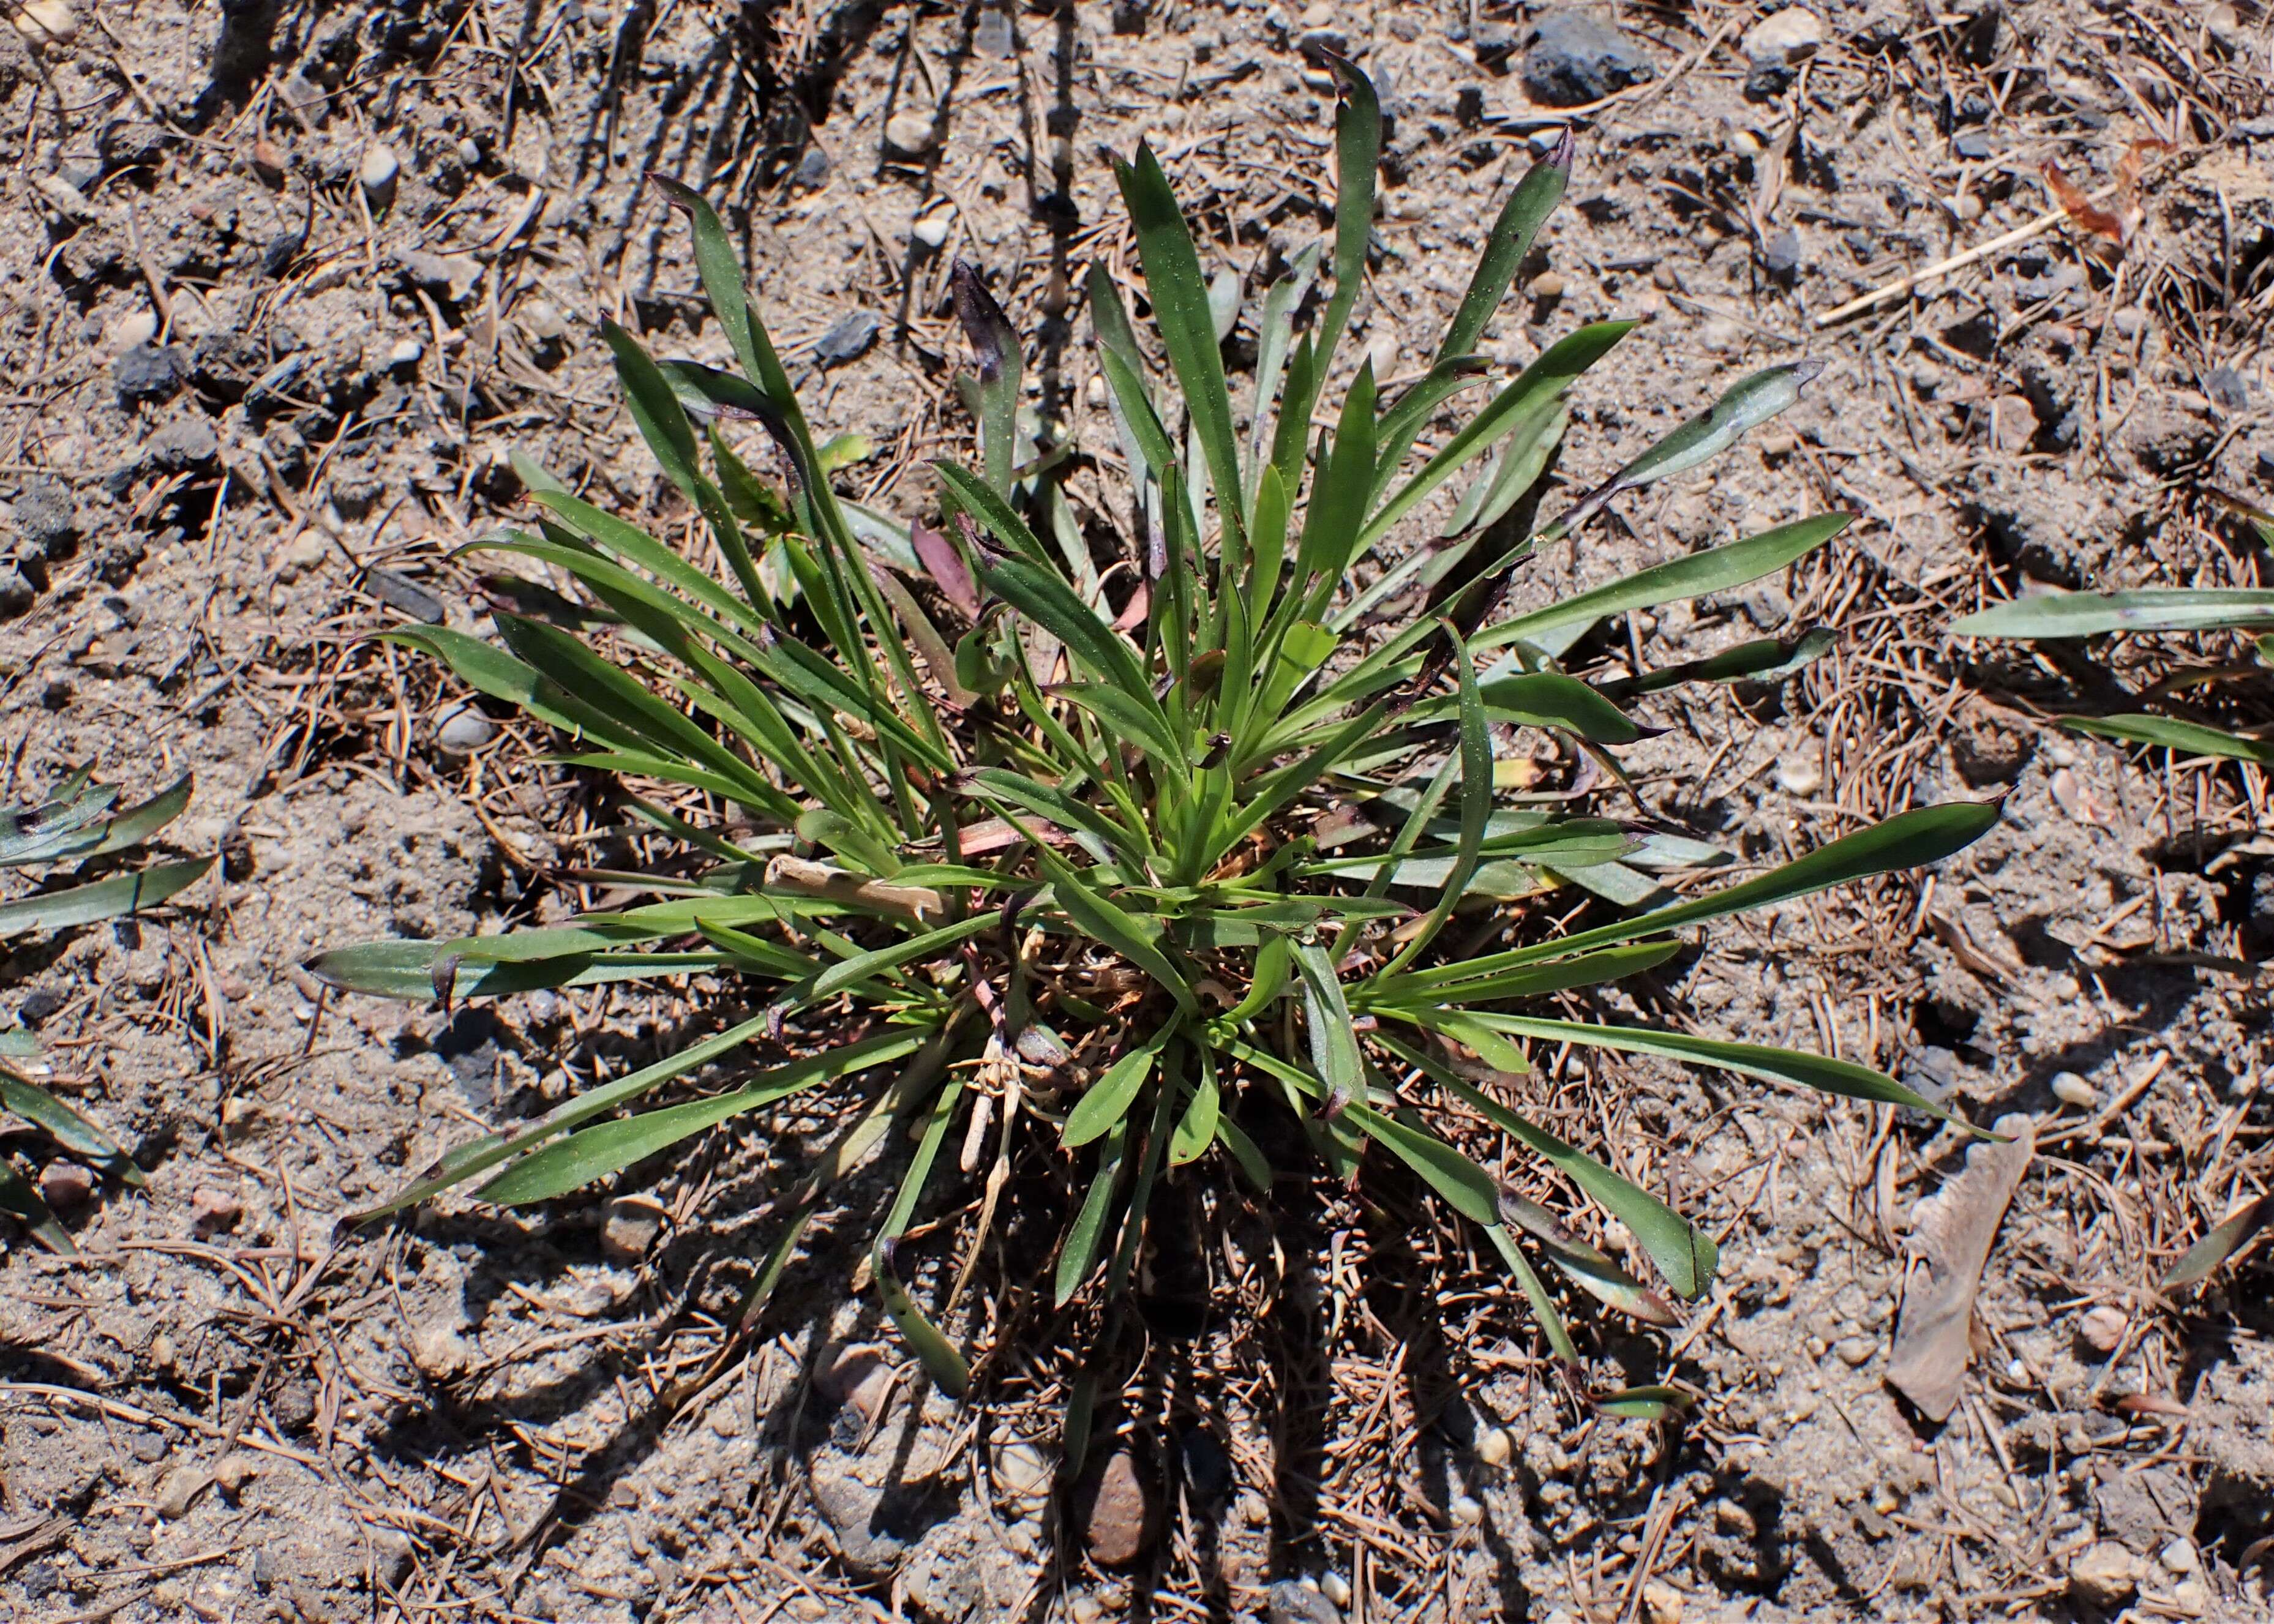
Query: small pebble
[
  {"x": 45, "y": 22},
  {"x": 849, "y": 336},
  {"x": 932, "y": 229},
  {"x": 65, "y": 1184},
  {"x": 267, "y": 161},
  {"x": 1024, "y": 1473},
  {"x": 2103, "y": 1328},
  {"x": 1546, "y": 285},
  {"x": 2104, "y": 1575},
  {"x": 377, "y": 171},
  {"x": 462, "y": 729},
  {"x": 1493, "y": 1446},
  {"x": 439, "y": 1351},
  {"x": 298, "y": 555},
  {"x": 212, "y": 1210},
  {"x": 1467, "y": 1510},
  {"x": 1335, "y": 1588},
  {"x": 1854, "y": 1351},
  {"x": 179, "y": 1489},
  {"x": 469, "y": 151},
  {"x": 405, "y": 353},
  {"x": 910, "y": 134},
  {"x": 2180, "y": 1557},
  {"x": 2070, "y": 1089},
  {"x": 861, "y": 1376},
  {"x": 631, "y": 1228},
  {"x": 1800, "y": 773}
]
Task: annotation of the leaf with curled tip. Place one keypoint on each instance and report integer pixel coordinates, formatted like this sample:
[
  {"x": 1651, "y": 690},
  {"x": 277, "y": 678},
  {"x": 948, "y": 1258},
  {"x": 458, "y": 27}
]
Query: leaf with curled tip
[
  {"x": 994, "y": 344},
  {"x": 1749, "y": 403}
]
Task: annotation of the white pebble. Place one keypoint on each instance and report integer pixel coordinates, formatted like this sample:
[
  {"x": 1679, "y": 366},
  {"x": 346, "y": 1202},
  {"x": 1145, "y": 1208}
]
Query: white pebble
[
  {"x": 469, "y": 151},
  {"x": 2070, "y": 1089},
  {"x": 45, "y": 22},
  {"x": 1493, "y": 1446},
  {"x": 139, "y": 328},
  {"x": 1335, "y": 1588},
  {"x": 405, "y": 353},
  {"x": 462, "y": 729},
  {"x": 1800, "y": 773},
  {"x": 379, "y": 168},
  {"x": 1466, "y": 1511},
  {"x": 932, "y": 229}
]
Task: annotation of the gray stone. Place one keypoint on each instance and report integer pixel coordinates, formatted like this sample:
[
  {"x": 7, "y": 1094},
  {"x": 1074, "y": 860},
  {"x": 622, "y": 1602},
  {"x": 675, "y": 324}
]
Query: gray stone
[
  {"x": 849, "y": 337},
  {"x": 1971, "y": 145},
  {"x": 630, "y": 1229},
  {"x": 1493, "y": 43},
  {"x": 17, "y": 592},
  {"x": 183, "y": 444},
  {"x": 146, "y": 372},
  {"x": 1577, "y": 58},
  {"x": 2227, "y": 390},
  {"x": 401, "y": 592},
  {"x": 462, "y": 729},
  {"x": 46, "y": 516},
  {"x": 1295, "y": 1603},
  {"x": 1781, "y": 255},
  {"x": 812, "y": 168}
]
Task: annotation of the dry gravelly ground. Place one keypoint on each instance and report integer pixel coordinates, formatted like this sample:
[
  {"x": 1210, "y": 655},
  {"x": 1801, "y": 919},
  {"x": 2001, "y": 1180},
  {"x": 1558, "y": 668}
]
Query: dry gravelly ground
[{"x": 235, "y": 395}]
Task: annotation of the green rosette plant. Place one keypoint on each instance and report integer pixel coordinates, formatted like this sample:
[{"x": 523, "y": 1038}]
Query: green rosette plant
[{"x": 1011, "y": 833}]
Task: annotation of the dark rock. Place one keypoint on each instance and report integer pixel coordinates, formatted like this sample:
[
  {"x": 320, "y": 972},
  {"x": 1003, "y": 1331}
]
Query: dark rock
[
  {"x": 17, "y": 592},
  {"x": 41, "y": 1580},
  {"x": 1577, "y": 58},
  {"x": 469, "y": 1047},
  {"x": 2226, "y": 389},
  {"x": 874, "y": 1528},
  {"x": 283, "y": 249},
  {"x": 183, "y": 444},
  {"x": 400, "y": 592},
  {"x": 37, "y": 1005},
  {"x": 1129, "y": 15},
  {"x": 1765, "y": 81},
  {"x": 1781, "y": 255},
  {"x": 46, "y": 516},
  {"x": 226, "y": 363},
  {"x": 1208, "y": 1470},
  {"x": 812, "y": 168},
  {"x": 1972, "y": 145},
  {"x": 295, "y": 1405},
  {"x": 1493, "y": 43},
  {"x": 1292, "y": 1603},
  {"x": 146, "y": 372},
  {"x": 849, "y": 337},
  {"x": 129, "y": 143}
]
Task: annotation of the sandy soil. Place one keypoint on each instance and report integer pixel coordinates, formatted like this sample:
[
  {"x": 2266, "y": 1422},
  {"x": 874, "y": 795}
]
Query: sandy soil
[{"x": 267, "y": 399}]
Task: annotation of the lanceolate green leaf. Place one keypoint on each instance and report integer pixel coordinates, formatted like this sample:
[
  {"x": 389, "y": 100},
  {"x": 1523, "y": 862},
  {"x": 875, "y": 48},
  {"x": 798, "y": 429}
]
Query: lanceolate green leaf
[
  {"x": 2153, "y": 609},
  {"x": 1180, "y": 307},
  {"x": 86, "y": 905},
  {"x": 1908, "y": 841},
  {"x": 1106, "y": 1101},
  {"x": 65, "y": 1125},
  {"x": 1716, "y": 570},
  {"x": 2188, "y": 738}
]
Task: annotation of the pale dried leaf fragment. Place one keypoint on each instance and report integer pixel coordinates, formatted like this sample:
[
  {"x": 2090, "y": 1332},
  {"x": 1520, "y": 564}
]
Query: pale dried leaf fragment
[
  {"x": 812, "y": 879},
  {"x": 1954, "y": 1228}
]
